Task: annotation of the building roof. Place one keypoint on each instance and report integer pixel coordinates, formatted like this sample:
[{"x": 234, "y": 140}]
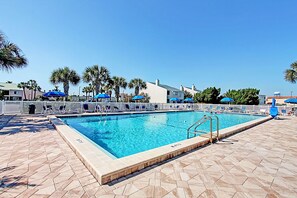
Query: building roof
[
  {"x": 9, "y": 86},
  {"x": 167, "y": 87},
  {"x": 281, "y": 97}
]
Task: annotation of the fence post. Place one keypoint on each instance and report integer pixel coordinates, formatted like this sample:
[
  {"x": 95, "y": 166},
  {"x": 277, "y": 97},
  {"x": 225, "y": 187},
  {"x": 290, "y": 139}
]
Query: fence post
[{"x": 2, "y": 108}]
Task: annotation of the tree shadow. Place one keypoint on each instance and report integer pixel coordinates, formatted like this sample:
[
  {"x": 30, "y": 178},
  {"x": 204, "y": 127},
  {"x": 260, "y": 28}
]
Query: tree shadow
[{"x": 10, "y": 181}]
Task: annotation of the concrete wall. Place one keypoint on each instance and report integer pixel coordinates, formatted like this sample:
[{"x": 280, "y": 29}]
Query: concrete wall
[{"x": 157, "y": 94}]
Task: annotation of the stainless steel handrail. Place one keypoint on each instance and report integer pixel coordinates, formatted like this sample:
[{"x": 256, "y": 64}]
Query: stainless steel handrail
[{"x": 201, "y": 121}]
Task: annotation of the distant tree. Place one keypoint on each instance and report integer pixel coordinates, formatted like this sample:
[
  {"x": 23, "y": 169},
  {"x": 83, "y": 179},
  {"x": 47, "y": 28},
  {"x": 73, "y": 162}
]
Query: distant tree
[
  {"x": 209, "y": 95},
  {"x": 23, "y": 85},
  {"x": 137, "y": 84},
  {"x": 32, "y": 85},
  {"x": 56, "y": 88},
  {"x": 11, "y": 55},
  {"x": 146, "y": 97},
  {"x": 97, "y": 76},
  {"x": 118, "y": 82},
  {"x": 88, "y": 90},
  {"x": 249, "y": 96},
  {"x": 9, "y": 82},
  {"x": 187, "y": 94},
  {"x": 291, "y": 74},
  {"x": 65, "y": 76},
  {"x": 108, "y": 87}
]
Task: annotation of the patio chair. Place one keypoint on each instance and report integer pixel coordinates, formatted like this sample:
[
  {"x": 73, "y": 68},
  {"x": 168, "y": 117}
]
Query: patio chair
[
  {"x": 47, "y": 108},
  {"x": 115, "y": 108},
  {"x": 284, "y": 112},
  {"x": 98, "y": 108},
  {"x": 143, "y": 107},
  {"x": 156, "y": 107},
  {"x": 107, "y": 108},
  {"x": 86, "y": 108},
  {"x": 127, "y": 107},
  {"x": 137, "y": 107},
  {"x": 62, "y": 109}
]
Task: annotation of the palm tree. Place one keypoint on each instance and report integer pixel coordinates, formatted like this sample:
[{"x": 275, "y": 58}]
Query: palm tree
[
  {"x": 32, "y": 84},
  {"x": 291, "y": 74},
  {"x": 65, "y": 76},
  {"x": 36, "y": 88},
  {"x": 97, "y": 76},
  {"x": 88, "y": 89},
  {"x": 10, "y": 55},
  {"x": 118, "y": 82},
  {"x": 23, "y": 85},
  {"x": 137, "y": 84},
  {"x": 108, "y": 87}
]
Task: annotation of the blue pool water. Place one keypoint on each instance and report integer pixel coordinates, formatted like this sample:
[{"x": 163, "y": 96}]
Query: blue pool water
[{"x": 123, "y": 135}]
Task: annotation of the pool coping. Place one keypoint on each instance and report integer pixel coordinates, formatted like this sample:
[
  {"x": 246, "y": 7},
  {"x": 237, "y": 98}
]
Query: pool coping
[{"x": 105, "y": 168}]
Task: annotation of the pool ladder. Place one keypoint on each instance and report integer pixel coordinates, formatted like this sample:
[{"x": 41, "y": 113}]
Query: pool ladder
[{"x": 201, "y": 121}]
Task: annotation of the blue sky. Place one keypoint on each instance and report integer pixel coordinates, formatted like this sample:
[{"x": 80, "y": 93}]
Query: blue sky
[{"x": 230, "y": 44}]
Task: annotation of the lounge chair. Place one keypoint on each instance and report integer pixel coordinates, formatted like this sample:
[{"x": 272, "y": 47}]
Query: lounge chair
[
  {"x": 136, "y": 107},
  {"x": 107, "y": 108},
  {"x": 127, "y": 107},
  {"x": 284, "y": 112},
  {"x": 98, "y": 108},
  {"x": 115, "y": 108},
  {"x": 263, "y": 111},
  {"x": 86, "y": 108},
  {"x": 47, "y": 108},
  {"x": 62, "y": 109}
]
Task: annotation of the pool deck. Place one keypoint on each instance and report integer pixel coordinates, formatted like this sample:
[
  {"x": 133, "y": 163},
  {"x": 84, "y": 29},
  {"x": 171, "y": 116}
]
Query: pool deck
[{"x": 259, "y": 162}]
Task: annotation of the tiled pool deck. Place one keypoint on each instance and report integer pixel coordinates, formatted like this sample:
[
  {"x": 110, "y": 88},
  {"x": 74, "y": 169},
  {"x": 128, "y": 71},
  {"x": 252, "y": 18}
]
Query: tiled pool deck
[{"x": 259, "y": 162}]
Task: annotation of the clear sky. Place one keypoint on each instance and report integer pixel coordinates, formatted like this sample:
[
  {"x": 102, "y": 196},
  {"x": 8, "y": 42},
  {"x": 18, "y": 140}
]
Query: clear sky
[{"x": 230, "y": 44}]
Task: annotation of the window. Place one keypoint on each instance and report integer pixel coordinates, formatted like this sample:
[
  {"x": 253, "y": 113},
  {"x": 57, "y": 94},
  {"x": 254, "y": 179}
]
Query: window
[
  {"x": 168, "y": 93},
  {"x": 15, "y": 92}
]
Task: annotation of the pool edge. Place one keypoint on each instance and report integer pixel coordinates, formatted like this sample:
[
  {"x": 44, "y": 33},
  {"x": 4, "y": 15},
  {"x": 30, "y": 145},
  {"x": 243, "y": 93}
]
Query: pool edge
[{"x": 105, "y": 169}]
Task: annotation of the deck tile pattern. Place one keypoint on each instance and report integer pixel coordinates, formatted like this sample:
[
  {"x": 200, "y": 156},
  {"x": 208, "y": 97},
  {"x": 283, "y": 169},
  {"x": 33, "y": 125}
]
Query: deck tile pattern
[{"x": 259, "y": 162}]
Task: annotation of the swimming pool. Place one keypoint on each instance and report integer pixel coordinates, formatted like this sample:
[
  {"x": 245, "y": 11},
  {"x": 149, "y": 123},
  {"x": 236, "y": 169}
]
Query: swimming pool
[{"x": 124, "y": 135}]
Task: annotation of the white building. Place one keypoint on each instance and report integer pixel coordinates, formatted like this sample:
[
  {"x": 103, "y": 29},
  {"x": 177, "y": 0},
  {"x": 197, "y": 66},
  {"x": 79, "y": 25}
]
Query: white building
[
  {"x": 191, "y": 90},
  {"x": 10, "y": 91},
  {"x": 160, "y": 93},
  {"x": 262, "y": 99}
]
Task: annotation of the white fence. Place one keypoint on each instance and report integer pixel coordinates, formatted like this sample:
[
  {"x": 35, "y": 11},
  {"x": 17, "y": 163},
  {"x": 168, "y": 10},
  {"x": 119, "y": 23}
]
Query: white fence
[{"x": 22, "y": 107}]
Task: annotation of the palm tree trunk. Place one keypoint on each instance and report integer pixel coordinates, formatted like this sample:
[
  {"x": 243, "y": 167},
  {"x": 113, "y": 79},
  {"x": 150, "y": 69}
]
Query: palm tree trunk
[
  {"x": 24, "y": 93},
  {"x": 66, "y": 89}
]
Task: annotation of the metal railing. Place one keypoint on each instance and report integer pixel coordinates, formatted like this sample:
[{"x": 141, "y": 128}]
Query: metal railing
[{"x": 201, "y": 121}]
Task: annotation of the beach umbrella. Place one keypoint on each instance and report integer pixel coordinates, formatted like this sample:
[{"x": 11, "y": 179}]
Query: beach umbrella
[
  {"x": 174, "y": 100},
  {"x": 54, "y": 94},
  {"x": 291, "y": 101},
  {"x": 102, "y": 95},
  {"x": 227, "y": 100},
  {"x": 137, "y": 97},
  {"x": 188, "y": 100}
]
